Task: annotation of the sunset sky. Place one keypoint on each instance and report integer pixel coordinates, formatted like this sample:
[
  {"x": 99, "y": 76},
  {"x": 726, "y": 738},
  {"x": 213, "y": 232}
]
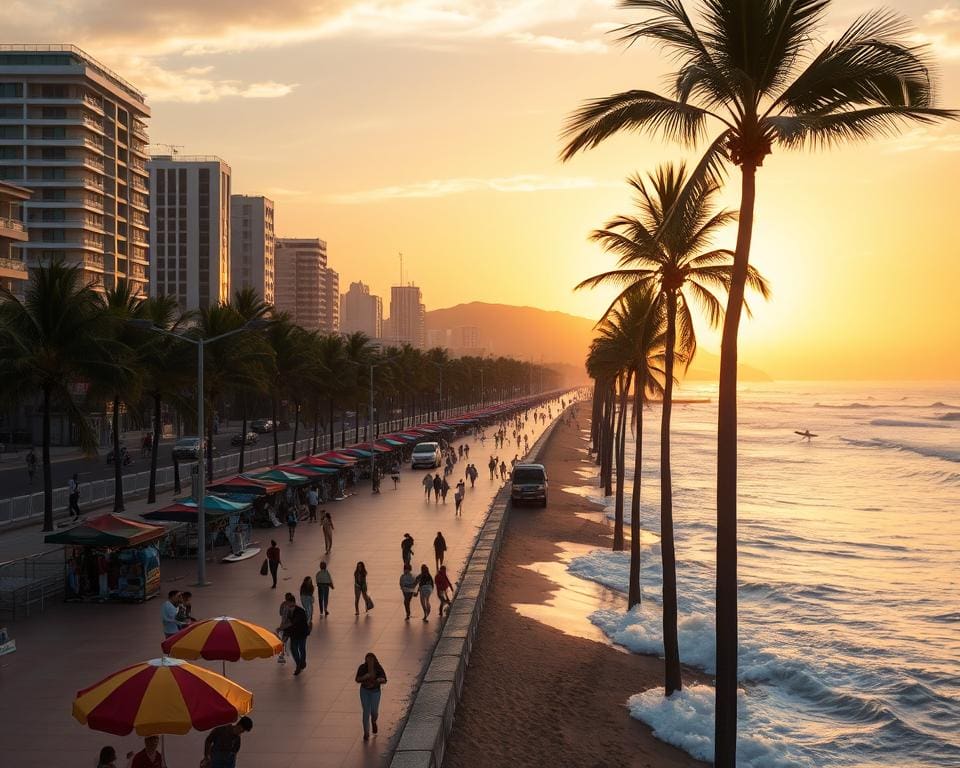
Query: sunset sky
[{"x": 432, "y": 127}]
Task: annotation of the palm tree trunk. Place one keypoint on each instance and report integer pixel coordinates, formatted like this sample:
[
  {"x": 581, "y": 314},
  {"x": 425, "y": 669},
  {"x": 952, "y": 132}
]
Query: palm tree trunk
[
  {"x": 243, "y": 437},
  {"x": 157, "y": 432},
  {"x": 176, "y": 475},
  {"x": 45, "y": 458},
  {"x": 608, "y": 442},
  {"x": 621, "y": 438},
  {"x": 671, "y": 649},
  {"x": 296, "y": 429},
  {"x": 117, "y": 459},
  {"x": 725, "y": 733},
  {"x": 276, "y": 440},
  {"x": 209, "y": 456},
  {"x": 343, "y": 429},
  {"x": 356, "y": 422},
  {"x": 331, "y": 423},
  {"x": 633, "y": 596}
]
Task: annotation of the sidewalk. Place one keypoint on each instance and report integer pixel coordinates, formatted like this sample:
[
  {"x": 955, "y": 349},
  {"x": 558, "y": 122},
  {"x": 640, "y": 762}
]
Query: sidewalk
[{"x": 312, "y": 720}]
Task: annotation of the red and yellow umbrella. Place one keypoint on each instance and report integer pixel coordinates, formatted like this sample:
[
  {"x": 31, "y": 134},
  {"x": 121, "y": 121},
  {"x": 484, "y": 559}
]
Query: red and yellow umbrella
[
  {"x": 161, "y": 696},
  {"x": 223, "y": 638}
]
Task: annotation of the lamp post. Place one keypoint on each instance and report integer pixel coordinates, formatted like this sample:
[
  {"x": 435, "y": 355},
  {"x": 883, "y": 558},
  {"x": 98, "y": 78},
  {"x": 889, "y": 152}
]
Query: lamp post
[{"x": 251, "y": 325}]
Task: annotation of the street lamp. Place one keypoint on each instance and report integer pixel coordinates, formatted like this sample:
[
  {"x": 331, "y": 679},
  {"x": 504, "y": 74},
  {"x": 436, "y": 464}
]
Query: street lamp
[{"x": 256, "y": 324}]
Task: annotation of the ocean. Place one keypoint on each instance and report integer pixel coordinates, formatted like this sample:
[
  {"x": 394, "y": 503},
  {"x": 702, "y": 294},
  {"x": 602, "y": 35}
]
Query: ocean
[{"x": 849, "y": 573}]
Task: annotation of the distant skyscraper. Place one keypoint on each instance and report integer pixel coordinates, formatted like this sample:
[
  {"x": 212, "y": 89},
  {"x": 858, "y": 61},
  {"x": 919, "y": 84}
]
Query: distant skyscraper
[
  {"x": 438, "y": 337},
  {"x": 190, "y": 229},
  {"x": 464, "y": 338},
  {"x": 299, "y": 280},
  {"x": 361, "y": 311},
  {"x": 252, "y": 245},
  {"x": 73, "y": 132},
  {"x": 13, "y": 233},
  {"x": 407, "y": 316},
  {"x": 330, "y": 322}
]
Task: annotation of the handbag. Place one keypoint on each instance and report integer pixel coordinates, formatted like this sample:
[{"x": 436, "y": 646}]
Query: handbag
[
  {"x": 368, "y": 602},
  {"x": 264, "y": 568}
]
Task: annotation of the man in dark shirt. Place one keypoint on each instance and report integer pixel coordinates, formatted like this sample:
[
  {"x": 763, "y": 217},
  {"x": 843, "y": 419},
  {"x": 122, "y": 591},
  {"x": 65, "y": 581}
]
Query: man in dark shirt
[
  {"x": 222, "y": 744},
  {"x": 297, "y": 632}
]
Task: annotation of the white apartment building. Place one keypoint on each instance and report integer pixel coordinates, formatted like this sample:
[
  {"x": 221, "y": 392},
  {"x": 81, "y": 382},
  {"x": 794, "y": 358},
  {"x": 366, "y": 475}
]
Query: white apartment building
[
  {"x": 407, "y": 316},
  {"x": 330, "y": 323},
  {"x": 299, "y": 266},
  {"x": 361, "y": 311},
  {"x": 252, "y": 244},
  {"x": 190, "y": 229},
  {"x": 73, "y": 133}
]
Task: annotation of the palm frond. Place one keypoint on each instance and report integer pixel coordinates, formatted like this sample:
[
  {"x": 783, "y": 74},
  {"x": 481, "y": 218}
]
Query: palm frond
[{"x": 819, "y": 130}]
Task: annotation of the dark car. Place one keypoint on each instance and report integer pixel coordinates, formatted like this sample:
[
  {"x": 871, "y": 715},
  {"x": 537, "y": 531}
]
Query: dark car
[
  {"x": 261, "y": 425},
  {"x": 529, "y": 483},
  {"x": 188, "y": 448},
  {"x": 250, "y": 438}
]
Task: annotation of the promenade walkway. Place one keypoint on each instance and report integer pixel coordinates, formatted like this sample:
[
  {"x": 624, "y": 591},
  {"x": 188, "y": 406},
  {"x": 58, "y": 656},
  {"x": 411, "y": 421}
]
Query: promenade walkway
[{"x": 311, "y": 720}]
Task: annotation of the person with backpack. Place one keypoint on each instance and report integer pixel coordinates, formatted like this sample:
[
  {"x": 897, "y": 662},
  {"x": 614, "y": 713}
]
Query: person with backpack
[
  {"x": 297, "y": 632},
  {"x": 424, "y": 584}
]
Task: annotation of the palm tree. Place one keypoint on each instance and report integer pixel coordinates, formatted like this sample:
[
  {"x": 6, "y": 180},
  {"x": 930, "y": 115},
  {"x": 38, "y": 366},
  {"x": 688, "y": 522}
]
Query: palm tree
[
  {"x": 249, "y": 305},
  {"x": 291, "y": 365},
  {"x": 331, "y": 357},
  {"x": 751, "y": 68},
  {"x": 673, "y": 257},
  {"x": 51, "y": 341}
]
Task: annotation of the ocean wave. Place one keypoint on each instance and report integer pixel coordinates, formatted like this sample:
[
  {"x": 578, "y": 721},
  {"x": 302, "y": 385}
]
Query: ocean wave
[
  {"x": 932, "y": 452},
  {"x": 847, "y": 406},
  {"x": 905, "y": 423},
  {"x": 949, "y": 416}
]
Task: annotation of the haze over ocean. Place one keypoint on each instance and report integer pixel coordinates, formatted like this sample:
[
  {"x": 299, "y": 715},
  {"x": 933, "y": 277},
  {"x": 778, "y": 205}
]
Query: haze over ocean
[{"x": 849, "y": 544}]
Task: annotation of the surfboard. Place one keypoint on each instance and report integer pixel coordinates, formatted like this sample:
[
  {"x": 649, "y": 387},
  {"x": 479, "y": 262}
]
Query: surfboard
[{"x": 251, "y": 551}]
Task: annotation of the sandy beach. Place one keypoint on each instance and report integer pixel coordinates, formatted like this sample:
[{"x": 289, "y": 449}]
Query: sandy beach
[{"x": 536, "y": 695}]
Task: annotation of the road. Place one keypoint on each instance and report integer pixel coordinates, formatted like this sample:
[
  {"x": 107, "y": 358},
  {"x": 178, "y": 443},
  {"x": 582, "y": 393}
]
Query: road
[{"x": 13, "y": 468}]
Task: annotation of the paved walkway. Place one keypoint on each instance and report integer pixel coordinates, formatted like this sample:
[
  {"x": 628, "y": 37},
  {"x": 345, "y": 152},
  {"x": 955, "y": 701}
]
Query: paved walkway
[{"x": 311, "y": 720}]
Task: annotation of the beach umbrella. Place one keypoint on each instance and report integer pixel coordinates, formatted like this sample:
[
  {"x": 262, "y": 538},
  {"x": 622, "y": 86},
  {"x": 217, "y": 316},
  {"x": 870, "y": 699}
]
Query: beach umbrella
[
  {"x": 223, "y": 638},
  {"x": 161, "y": 696}
]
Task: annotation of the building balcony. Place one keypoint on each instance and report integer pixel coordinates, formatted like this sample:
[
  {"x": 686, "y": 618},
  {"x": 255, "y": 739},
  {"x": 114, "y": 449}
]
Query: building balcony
[
  {"x": 136, "y": 183},
  {"x": 71, "y": 223},
  {"x": 13, "y": 269},
  {"x": 70, "y": 141},
  {"x": 82, "y": 244},
  {"x": 94, "y": 163},
  {"x": 13, "y": 229}
]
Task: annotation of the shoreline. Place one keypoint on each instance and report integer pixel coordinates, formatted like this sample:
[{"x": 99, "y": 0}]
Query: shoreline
[{"x": 536, "y": 694}]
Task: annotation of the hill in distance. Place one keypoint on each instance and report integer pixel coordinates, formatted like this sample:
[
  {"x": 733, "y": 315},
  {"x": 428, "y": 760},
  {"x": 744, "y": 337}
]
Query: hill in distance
[{"x": 529, "y": 333}]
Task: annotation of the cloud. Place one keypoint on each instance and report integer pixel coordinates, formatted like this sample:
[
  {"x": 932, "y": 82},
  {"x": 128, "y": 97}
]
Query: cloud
[
  {"x": 456, "y": 186},
  {"x": 557, "y": 44},
  {"x": 948, "y": 14},
  {"x": 937, "y": 140}
]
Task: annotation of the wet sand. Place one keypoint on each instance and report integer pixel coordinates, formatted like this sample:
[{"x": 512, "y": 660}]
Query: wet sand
[{"x": 544, "y": 688}]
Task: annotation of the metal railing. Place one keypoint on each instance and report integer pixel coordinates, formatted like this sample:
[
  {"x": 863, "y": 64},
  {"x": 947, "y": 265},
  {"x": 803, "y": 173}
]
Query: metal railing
[
  {"x": 13, "y": 264},
  {"x": 28, "y": 583},
  {"x": 14, "y": 224}
]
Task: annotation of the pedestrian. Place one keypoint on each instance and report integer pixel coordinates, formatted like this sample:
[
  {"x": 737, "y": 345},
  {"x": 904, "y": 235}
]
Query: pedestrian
[
  {"x": 168, "y": 613},
  {"x": 149, "y": 756},
  {"x": 327, "y": 525},
  {"x": 313, "y": 501},
  {"x": 439, "y": 548},
  {"x": 222, "y": 744},
  {"x": 32, "y": 465},
  {"x": 371, "y": 676},
  {"x": 444, "y": 588},
  {"x": 408, "y": 586},
  {"x": 425, "y": 589},
  {"x": 492, "y": 466},
  {"x": 360, "y": 589},
  {"x": 503, "y": 470},
  {"x": 185, "y": 610},
  {"x": 427, "y": 485},
  {"x": 444, "y": 490},
  {"x": 297, "y": 632},
  {"x": 286, "y": 608},
  {"x": 292, "y": 521},
  {"x": 306, "y": 597},
  {"x": 458, "y": 499},
  {"x": 466, "y": 451},
  {"x": 273, "y": 561},
  {"x": 108, "y": 758},
  {"x": 437, "y": 484},
  {"x": 406, "y": 548},
  {"x": 73, "y": 486},
  {"x": 324, "y": 585}
]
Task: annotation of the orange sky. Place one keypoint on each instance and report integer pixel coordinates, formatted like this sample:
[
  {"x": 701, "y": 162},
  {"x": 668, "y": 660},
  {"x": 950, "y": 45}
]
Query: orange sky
[{"x": 431, "y": 127}]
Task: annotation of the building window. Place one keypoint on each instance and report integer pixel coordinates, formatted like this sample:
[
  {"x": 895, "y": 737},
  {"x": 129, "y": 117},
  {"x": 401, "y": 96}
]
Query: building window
[{"x": 11, "y": 90}]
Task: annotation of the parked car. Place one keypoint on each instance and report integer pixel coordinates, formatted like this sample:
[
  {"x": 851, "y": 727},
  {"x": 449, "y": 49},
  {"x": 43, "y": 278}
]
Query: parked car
[
  {"x": 261, "y": 425},
  {"x": 249, "y": 439},
  {"x": 426, "y": 455},
  {"x": 188, "y": 448},
  {"x": 529, "y": 483}
]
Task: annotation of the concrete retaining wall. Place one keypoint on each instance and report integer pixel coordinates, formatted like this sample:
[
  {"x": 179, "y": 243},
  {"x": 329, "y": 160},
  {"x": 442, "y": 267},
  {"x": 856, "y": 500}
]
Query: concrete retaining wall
[{"x": 423, "y": 736}]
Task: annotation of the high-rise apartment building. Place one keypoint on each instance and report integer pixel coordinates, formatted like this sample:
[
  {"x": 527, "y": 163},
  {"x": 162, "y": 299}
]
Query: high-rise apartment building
[
  {"x": 407, "y": 316},
  {"x": 361, "y": 311},
  {"x": 252, "y": 245},
  {"x": 190, "y": 229},
  {"x": 330, "y": 322},
  {"x": 299, "y": 266},
  {"x": 13, "y": 233},
  {"x": 73, "y": 132}
]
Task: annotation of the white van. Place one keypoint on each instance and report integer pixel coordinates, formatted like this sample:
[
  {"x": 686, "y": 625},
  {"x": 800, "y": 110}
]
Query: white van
[
  {"x": 529, "y": 483},
  {"x": 426, "y": 455}
]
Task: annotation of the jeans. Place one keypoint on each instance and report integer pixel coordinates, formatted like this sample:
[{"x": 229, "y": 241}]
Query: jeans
[
  {"x": 274, "y": 565},
  {"x": 74, "y": 504},
  {"x": 307, "y": 602},
  {"x": 223, "y": 760},
  {"x": 407, "y": 597},
  {"x": 324, "y": 597},
  {"x": 298, "y": 649},
  {"x": 370, "y": 701}
]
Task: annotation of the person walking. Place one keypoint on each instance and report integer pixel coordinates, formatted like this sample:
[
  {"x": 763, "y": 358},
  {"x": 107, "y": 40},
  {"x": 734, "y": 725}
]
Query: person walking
[
  {"x": 408, "y": 586},
  {"x": 292, "y": 521},
  {"x": 327, "y": 524},
  {"x": 297, "y": 632},
  {"x": 492, "y": 466},
  {"x": 439, "y": 548},
  {"x": 313, "y": 501},
  {"x": 437, "y": 484},
  {"x": 108, "y": 758},
  {"x": 360, "y": 589},
  {"x": 503, "y": 470},
  {"x": 31, "y": 465},
  {"x": 371, "y": 676},
  {"x": 185, "y": 610},
  {"x": 444, "y": 589},
  {"x": 273, "y": 561},
  {"x": 306, "y": 597},
  {"x": 425, "y": 589},
  {"x": 466, "y": 451},
  {"x": 406, "y": 548},
  {"x": 458, "y": 501},
  {"x": 222, "y": 744},
  {"x": 150, "y": 756},
  {"x": 168, "y": 613},
  {"x": 444, "y": 490},
  {"x": 286, "y": 608},
  {"x": 73, "y": 500},
  {"x": 324, "y": 585},
  {"x": 427, "y": 485}
]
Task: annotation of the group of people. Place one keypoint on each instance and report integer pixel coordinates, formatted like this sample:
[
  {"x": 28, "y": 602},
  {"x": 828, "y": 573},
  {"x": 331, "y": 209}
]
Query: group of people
[
  {"x": 423, "y": 584},
  {"x": 176, "y": 612},
  {"x": 220, "y": 749}
]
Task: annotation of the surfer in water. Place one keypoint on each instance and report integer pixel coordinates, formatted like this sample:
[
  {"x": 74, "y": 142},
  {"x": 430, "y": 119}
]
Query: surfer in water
[{"x": 806, "y": 434}]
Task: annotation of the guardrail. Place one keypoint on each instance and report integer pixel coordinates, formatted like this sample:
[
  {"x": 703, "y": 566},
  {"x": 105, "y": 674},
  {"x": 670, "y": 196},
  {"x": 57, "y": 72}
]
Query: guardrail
[{"x": 27, "y": 583}]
